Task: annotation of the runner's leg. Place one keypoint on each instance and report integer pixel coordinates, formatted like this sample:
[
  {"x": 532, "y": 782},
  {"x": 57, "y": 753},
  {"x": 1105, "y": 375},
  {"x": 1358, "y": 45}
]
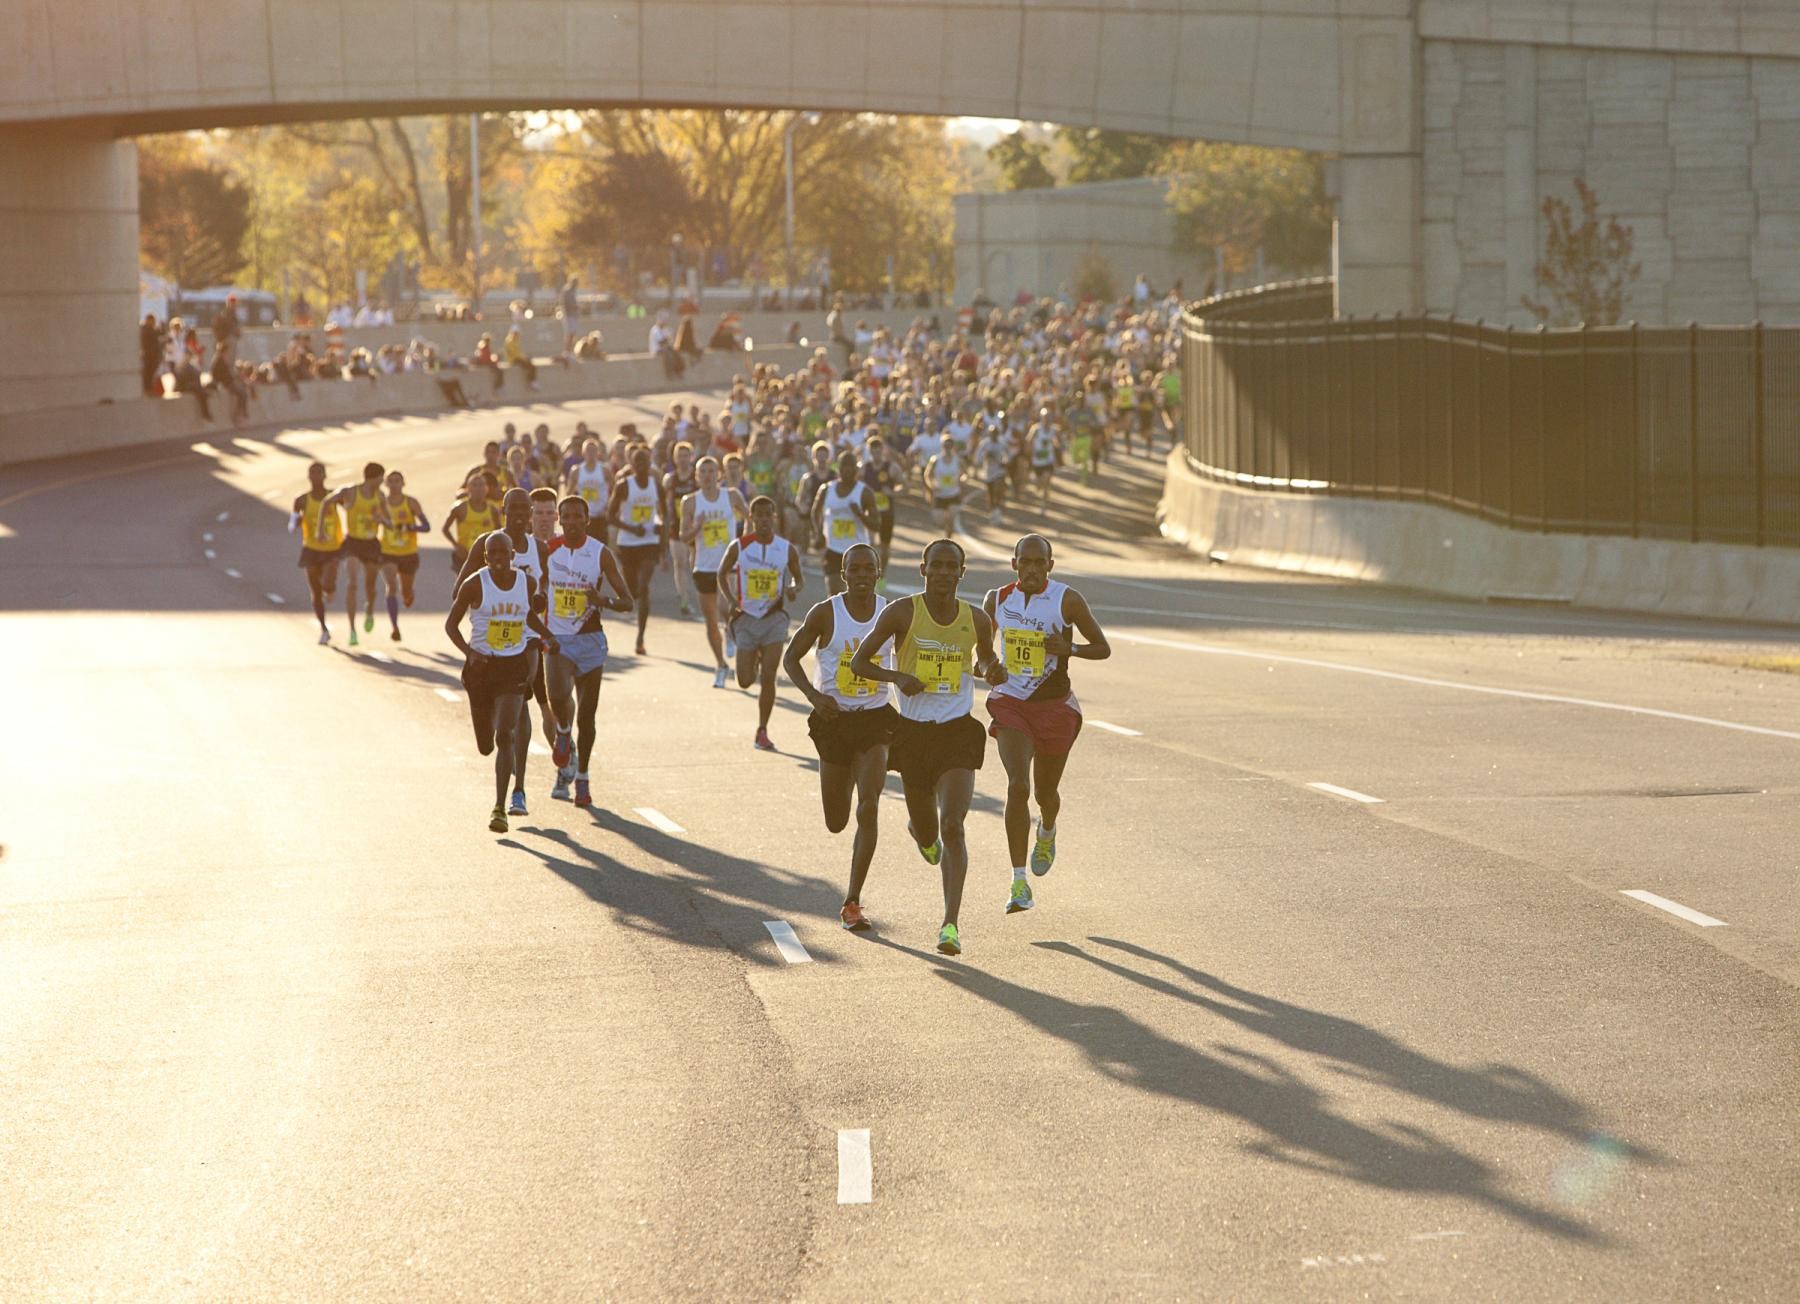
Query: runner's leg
[
  {"x": 315, "y": 584},
  {"x": 747, "y": 662},
  {"x": 587, "y": 703},
  {"x": 871, "y": 776},
  {"x": 837, "y": 785},
  {"x": 1014, "y": 746},
  {"x": 1047, "y": 772},
  {"x": 921, "y": 812},
  {"x": 504, "y": 732},
  {"x": 954, "y": 792},
  {"x": 765, "y": 700},
  {"x": 390, "y": 579},
  {"x": 709, "y": 607}
]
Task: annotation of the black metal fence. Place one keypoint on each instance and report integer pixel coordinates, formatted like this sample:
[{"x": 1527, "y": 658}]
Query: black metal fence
[{"x": 1677, "y": 433}]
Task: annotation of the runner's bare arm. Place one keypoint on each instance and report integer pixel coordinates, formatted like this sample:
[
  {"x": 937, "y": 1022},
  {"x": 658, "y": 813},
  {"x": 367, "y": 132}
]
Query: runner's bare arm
[
  {"x": 813, "y": 630},
  {"x": 420, "y": 524},
  {"x": 727, "y": 594},
  {"x": 689, "y": 526},
  {"x": 610, "y": 574},
  {"x": 799, "y": 576},
  {"x": 476, "y": 559},
  {"x": 892, "y": 624},
  {"x": 1078, "y": 616},
  {"x": 467, "y": 595},
  {"x": 454, "y": 515},
  {"x": 987, "y": 665}
]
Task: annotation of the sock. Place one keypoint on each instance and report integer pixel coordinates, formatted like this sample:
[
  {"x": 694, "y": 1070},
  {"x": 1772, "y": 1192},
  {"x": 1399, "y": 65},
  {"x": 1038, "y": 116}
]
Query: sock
[
  {"x": 393, "y": 606},
  {"x": 1046, "y": 830},
  {"x": 1018, "y": 872},
  {"x": 581, "y": 775}
]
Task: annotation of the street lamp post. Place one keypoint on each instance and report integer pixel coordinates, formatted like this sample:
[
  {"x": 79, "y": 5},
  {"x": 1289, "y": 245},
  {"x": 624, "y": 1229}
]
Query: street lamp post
[
  {"x": 674, "y": 264},
  {"x": 787, "y": 167}
]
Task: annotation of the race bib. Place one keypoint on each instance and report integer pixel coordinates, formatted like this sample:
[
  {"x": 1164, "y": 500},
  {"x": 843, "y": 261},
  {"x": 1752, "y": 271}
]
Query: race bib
[
  {"x": 882, "y": 501},
  {"x": 503, "y": 634},
  {"x": 843, "y": 527},
  {"x": 940, "y": 669},
  {"x": 642, "y": 513},
  {"x": 591, "y": 497},
  {"x": 761, "y": 585},
  {"x": 714, "y": 531},
  {"x": 1024, "y": 652},
  {"x": 848, "y": 684},
  {"x": 569, "y": 603}
]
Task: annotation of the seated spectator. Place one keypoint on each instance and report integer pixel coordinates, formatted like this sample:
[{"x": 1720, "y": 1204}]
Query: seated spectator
[
  {"x": 485, "y": 357},
  {"x": 516, "y": 356},
  {"x": 591, "y": 347}
]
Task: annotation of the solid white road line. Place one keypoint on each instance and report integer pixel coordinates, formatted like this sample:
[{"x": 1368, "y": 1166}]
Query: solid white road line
[
  {"x": 234, "y": 573},
  {"x": 657, "y": 819},
  {"x": 1351, "y": 793},
  {"x": 856, "y": 1169},
  {"x": 1674, "y": 907},
  {"x": 449, "y": 694},
  {"x": 787, "y": 941},
  {"x": 1117, "y": 728},
  {"x": 1245, "y": 654},
  {"x": 276, "y": 598}
]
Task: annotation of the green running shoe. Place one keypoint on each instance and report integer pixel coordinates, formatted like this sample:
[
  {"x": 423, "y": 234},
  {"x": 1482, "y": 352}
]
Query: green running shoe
[
  {"x": 353, "y": 633},
  {"x": 1020, "y": 898},
  {"x": 949, "y": 940},
  {"x": 369, "y": 623},
  {"x": 1043, "y": 852},
  {"x": 498, "y": 820},
  {"x": 933, "y": 853}
]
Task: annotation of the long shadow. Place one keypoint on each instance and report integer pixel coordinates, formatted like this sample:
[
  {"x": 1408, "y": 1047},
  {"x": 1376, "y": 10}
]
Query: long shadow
[
  {"x": 1499, "y": 1092},
  {"x": 669, "y": 905},
  {"x": 1296, "y": 1125}
]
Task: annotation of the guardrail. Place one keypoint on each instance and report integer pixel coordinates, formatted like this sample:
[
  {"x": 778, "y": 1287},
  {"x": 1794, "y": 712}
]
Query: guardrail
[{"x": 1676, "y": 433}]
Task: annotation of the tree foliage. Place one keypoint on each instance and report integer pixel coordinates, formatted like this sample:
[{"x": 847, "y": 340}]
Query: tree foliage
[
  {"x": 1099, "y": 155},
  {"x": 1241, "y": 198},
  {"x": 1587, "y": 266},
  {"x": 192, "y": 215},
  {"x": 1023, "y": 162}
]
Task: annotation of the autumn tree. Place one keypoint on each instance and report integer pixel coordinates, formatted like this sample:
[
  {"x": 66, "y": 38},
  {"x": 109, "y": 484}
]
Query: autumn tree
[
  {"x": 1241, "y": 198},
  {"x": 1587, "y": 266},
  {"x": 1100, "y": 155},
  {"x": 192, "y": 214},
  {"x": 1022, "y": 162}
]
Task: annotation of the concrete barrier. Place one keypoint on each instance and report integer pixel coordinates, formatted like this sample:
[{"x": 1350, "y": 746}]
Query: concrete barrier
[
  {"x": 59, "y": 432},
  {"x": 1423, "y": 546}
]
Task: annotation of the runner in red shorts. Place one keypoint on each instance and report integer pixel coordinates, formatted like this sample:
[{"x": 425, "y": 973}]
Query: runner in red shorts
[{"x": 1036, "y": 716}]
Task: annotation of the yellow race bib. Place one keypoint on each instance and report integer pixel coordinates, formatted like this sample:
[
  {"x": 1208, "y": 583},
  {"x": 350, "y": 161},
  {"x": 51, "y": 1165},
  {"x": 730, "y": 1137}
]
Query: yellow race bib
[
  {"x": 569, "y": 603},
  {"x": 761, "y": 585},
  {"x": 504, "y": 633},
  {"x": 714, "y": 531},
  {"x": 940, "y": 669},
  {"x": 848, "y": 684},
  {"x": 642, "y": 513},
  {"x": 1024, "y": 652},
  {"x": 591, "y": 497},
  {"x": 843, "y": 527},
  {"x": 882, "y": 501}
]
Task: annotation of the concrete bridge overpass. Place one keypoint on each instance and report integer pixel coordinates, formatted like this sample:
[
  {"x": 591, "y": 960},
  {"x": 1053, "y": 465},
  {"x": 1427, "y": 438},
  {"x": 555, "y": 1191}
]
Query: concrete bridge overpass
[{"x": 1449, "y": 117}]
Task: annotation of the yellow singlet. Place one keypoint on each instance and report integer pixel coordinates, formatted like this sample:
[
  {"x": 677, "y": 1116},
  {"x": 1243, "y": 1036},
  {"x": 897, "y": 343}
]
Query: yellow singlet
[
  {"x": 362, "y": 513},
  {"x": 321, "y": 528},
  {"x": 942, "y": 657},
  {"x": 474, "y": 524},
  {"x": 399, "y": 539}
]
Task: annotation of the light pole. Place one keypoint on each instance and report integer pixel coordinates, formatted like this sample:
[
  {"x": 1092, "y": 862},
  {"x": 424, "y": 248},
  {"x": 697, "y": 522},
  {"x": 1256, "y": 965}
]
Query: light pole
[
  {"x": 475, "y": 204},
  {"x": 674, "y": 263},
  {"x": 787, "y": 167}
]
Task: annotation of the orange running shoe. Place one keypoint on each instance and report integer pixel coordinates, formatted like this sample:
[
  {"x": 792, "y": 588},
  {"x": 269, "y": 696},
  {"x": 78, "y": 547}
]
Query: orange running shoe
[{"x": 852, "y": 917}]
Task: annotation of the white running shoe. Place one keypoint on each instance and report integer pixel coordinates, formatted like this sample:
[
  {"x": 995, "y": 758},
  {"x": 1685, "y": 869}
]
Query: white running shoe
[
  {"x": 324, "y": 637},
  {"x": 720, "y": 677}
]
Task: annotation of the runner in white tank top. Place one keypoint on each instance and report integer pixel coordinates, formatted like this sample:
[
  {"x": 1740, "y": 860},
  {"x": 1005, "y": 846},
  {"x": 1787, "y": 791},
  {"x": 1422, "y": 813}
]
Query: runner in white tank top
[
  {"x": 1036, "y": 715},
  {"x": 841, "y": 514},
  {"x": 579, "y": 570},
  {"x": 709, "y": 519},
  {"x": 758, "y": 576},
  {"x": 852, "y": 721}
]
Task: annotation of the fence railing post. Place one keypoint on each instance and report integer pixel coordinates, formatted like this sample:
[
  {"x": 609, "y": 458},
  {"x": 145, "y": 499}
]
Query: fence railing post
[
  {"x": 1450, "y": 409},
  {"x": 1581, "y": 382},
  {"x": 1543, "y": 435},
  {"x": 1756, "y": 424},
  {"x": 1479, "y": 499},
  {"x": 1512, "y": 435},
  {"x": 1637, "y": 511},
  {"x": 1693, "y": 334}
]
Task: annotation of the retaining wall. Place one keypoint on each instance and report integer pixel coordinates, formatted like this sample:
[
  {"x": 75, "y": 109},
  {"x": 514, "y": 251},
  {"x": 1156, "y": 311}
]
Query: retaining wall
[
  {"x": 1421, "y": 546},
  {"x": 98, "y": 427}
]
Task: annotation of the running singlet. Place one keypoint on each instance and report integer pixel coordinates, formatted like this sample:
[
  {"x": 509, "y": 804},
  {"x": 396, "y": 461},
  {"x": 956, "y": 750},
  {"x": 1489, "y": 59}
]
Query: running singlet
[
  {"x": 946, "y": 477},
  {"x": 761, "y": 474},
  {"x": 398, "y": 538},
  {"x": 361, "y": 512},
  {"x": 834, "y": 679},
  {"x": 881, "y": 485},
  {"x": 942, "y": 657},
  {"x": 1021, "y": 623},
  {"x": 994, "y": 457},
  {"x": 761, "y": 568},
  {"x": 321, "y": 528},
  {"x": 497, "y": 622},
  {"x": 572, "y": 572},
  {"x": 595, "y": 487},
  {"x": 475, "y": 523},
  {"x": 843, "y": 530},
  {"x": 715, "y": 522},
  {"x": 1043, "y": 448},
  {"x": 638, "y": 515}
]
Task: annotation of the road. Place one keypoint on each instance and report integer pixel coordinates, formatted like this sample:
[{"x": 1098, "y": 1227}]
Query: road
[{"x": 279, "y": 1018}]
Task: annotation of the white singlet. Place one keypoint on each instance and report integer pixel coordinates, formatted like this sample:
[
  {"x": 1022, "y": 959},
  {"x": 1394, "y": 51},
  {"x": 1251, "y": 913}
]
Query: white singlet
[
  {"x": 762, "y": 572},
  {"x": 1043, "y": 449},
  {"x": 638, "y": 524},
  {"x": 843, "y": 528},
  {"x": 833, "y": 656},
  {"x": 595, "y": 488},
  {"x": 572, "y": 572},
  {"x": 1021, "y": 623},
  {"x": 946, "y": 477},
  {"x": 497, "y": 622},
  {"x": 716, "y": 521}
]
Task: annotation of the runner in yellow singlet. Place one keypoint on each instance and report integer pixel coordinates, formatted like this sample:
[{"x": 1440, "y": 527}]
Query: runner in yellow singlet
[
  {"x": 321, "y": 526},
  {"x": 363, "y": 518},
  {"x": 469, "y": 519},
  {"x": 942, "y": 646},
  {"x": 400, "y": 546}
]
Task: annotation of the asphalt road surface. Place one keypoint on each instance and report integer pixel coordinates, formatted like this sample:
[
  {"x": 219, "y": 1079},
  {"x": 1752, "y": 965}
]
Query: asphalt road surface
[{"x": 1335, "y": 992}]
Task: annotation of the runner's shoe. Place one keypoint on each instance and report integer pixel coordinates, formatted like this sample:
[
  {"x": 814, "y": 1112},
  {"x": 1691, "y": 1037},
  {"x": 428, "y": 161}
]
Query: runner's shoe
[
  {"x": 559, "y": 750},
  {"x": 762, "y": 741},
  {"x": 852, "y": 918},
  {"x": 933, "y": 853},
  {"x": 518, "y": 805},
  {"x": 559, "y": 791},
  {"x": 395, "y": 636},
  {"x": 1043, "y": 852},
  {"x": 324, "y": 637},
  {"x": 730, "y": 645},
  {"x": 353, "y": 633},
  {"x": 1020, "y": 898},
  {"x": 583, "y": 797},
  {"x": 497, "y": 822},
  {"x": 685, "y": 609},
  {"x": 720, "y": 677},
  {"x": 369, "y": 623},
  {"x": 641, "y": 651},
  {"x": 949, "y": 940}
]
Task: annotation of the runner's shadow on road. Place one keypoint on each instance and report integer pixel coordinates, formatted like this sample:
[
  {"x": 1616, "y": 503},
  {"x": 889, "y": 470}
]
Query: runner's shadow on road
[
  {"x": 1294, "y": 1120},
  {"x": 398, "y": 669},
  {"x": 708, "y": 898}
]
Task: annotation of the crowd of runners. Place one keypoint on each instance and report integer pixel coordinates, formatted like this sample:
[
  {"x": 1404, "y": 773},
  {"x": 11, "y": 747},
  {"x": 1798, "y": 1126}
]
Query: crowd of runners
[{"x": 546, "y": 538}]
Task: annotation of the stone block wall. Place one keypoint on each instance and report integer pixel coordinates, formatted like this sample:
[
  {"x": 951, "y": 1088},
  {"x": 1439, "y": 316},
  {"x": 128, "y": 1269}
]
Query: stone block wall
[{"x": 1698, "y": 153}]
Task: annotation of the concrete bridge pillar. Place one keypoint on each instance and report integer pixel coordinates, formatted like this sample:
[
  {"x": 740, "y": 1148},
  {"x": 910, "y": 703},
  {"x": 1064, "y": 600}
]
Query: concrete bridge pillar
[
  {"x": 68, "y": 268},
  {"x": 1375, "y": 247}
]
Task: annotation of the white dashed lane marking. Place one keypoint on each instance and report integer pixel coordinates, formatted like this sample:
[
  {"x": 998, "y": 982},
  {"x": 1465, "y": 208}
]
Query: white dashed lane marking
[
  {"x": 211, "y": 555},
  {"x": 234, "y": 573},
  {"x": 1350, "y": 794},
  {"x": 276, "y": 598},
  {"x": 207, "y": 537},
  {"x": 222, "y": 516},
  {"x": 787, "y": 941},
  {"x": 538, "y": 749},
  {"x": 449, "y": 694},
  {"x": 657, "y": 819},
  {"x": 856, "y": 1167},
  {"x": 1119, "y": 729},
  {"x": 382, "y": 657},
  {"x": 1673, "y": 907}
]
